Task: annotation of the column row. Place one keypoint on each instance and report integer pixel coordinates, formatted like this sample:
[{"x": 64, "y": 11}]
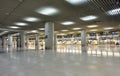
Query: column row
[{"x": 50, "y": 39}]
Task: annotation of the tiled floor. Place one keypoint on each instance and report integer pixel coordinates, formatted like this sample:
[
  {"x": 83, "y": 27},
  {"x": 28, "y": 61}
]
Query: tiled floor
[{"x": 98, "y": 61}]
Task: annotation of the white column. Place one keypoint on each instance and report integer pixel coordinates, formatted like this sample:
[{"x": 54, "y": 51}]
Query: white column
[
  {"x": 49, "y": 35},
  {"x": 83, "y": 41},
  {"x": 9, "y": 41},
  {"x": 22, "y": 37},
  {"x": 27, "y": 42},
  {"x": 37, "y": 41},
  {"x": 55, "y": 41},
  {"x": 1, "y": 42},
  {"x": 4, "y": 42},
  {"x": 18, "y": 42}
]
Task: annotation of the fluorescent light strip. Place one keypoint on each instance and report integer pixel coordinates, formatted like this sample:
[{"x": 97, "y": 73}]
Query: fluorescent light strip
[
  {"x": 28, "y": 32},
  {"x": 108, "y": 28},
  {"x": 14, "y": 27},
  {"x": 34, "y": 31},
  {"x": 76, "y": 28},
  {"x": 41, "y": 28},
  {"x": 114, "y": 11},
  {"x": 89, "y": 18},
  {"x": 64, "y": 30},
  {"x": 94, "y": 30},
  {"x": 68, "y": 23},
  {"x": 71, "y": 32},
  {"x": 47, "y": 11},
  {"x": 61, "y": 34},
  {"x": 92, "y": 26}
]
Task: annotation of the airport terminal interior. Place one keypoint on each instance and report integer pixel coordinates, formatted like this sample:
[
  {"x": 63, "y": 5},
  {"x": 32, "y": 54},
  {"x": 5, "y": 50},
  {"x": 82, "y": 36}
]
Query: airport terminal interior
[{"x": 59, "y": 38}]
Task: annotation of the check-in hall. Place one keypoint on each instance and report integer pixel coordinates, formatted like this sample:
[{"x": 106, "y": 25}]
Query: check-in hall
[{"x": 59, "y": 37}]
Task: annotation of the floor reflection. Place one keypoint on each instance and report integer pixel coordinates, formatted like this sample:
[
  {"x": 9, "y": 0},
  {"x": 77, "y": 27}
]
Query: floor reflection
[
  {"x": 66, "y": 61},
  {"x": 91, "y": 50}
]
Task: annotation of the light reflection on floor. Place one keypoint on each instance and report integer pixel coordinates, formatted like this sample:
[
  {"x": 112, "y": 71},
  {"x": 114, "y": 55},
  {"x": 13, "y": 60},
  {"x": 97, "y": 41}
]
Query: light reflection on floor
[
  {"x": 67, "y": 61},
  {"x": 99, "y": 51},
  {"x": 91, "y": 50}
]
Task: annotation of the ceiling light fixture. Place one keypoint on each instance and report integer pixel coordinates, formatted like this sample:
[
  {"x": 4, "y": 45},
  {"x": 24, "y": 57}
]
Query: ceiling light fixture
[
  {"x": 92, "y": 26},
  {"x": 89, "y": 18},
  {"x": 34, "y": 31},
  {"x": 61, "y": 34},
  {"x": 64, "y": 30},
  {"x": 41, "y": 28},
  {"x": 94, "y": 30},
  {"x": 31, "y": 19},
  {"x": 114, "y": 11},
  {"x": 68, "y": 23},
  {"x": 14, "y": 27},
  {"x": 71, "y": 32},
  {"x": 108, "y": 28},
  {"x": 20, "y": 24},
  {"x": 76, "y": 28},
  {"x": 47, "y": 11},
  {"x": 28, "y": 32},
  {"x": 76, "y": 2}
]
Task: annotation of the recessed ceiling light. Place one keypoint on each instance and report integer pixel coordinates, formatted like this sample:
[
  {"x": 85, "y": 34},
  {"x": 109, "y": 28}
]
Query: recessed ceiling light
[
  {"x": 88, "y": 18},
  {"x": 92, "y": 26},
  {"x": 76, "y": 28},
  {"x": 31, "y": 19},
  {"x": 28, "y": 32},
  {"x": 71, "y": 32},
  {"x": 114, "y": 11},
  {"x": 108, "y": 28},
  {"x": 61, "y": 34},
  {"x": 48, "y": 11},
  {"x": 6, "y": 31},
  {"x": 21, "y": 24},
  {"x": 94, "y": 30},
  {"x": 34, "y": 31},
  {"x": 14, "y": 27},
  {"x": 76, "y": 2},
  {"x": 68, "y": 23},
  {"x": 64, "y": 30},
  {"x": 41, "y": 28}
]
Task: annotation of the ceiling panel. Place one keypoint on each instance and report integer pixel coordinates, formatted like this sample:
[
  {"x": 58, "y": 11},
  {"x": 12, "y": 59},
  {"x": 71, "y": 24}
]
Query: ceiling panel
[{"x": 15, "y": 10}]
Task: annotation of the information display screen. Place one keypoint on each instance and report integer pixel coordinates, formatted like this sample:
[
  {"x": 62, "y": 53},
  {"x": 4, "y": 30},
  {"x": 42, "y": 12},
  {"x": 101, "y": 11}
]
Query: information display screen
[{"x": 113, "y": 33}]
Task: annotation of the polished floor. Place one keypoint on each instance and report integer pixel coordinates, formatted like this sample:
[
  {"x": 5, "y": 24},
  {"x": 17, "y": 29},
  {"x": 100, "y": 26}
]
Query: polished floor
[{"x": 70, "y": 61}]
